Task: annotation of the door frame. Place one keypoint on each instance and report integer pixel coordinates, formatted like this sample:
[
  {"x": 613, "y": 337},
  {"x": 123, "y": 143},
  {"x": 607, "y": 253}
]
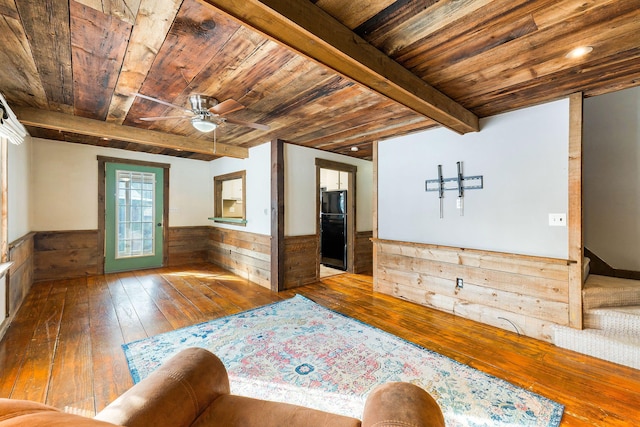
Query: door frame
[
  {"x": 102, "y": 207},
  {"x": 351, "y": 209}
]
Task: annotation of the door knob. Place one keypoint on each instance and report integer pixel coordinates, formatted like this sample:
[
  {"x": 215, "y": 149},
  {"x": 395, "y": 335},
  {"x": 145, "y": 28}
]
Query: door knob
[{"x": 159, "y": 224}]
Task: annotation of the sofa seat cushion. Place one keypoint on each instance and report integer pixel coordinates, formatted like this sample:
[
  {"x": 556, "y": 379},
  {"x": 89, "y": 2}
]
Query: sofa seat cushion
[
  {"x": 33, "y": 414},
  {"x": 240, "y": 411}
]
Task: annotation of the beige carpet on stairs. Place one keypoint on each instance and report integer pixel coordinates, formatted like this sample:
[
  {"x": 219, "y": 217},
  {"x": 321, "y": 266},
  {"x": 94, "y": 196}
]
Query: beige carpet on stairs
[{"x": 611, "y": 321}]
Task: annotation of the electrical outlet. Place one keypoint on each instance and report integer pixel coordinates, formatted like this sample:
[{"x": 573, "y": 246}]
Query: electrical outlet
[
  {"x": 558, "y": 220},
  {"x": 459, "y": 283}
]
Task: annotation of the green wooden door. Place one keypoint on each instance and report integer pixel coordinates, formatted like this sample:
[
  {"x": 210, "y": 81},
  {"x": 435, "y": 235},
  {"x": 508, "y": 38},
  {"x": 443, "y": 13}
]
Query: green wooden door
[{"x": 133, "y": 221}]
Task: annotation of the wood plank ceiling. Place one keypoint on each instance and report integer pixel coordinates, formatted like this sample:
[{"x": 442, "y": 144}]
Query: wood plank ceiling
[{"x": 326, "y": 74}]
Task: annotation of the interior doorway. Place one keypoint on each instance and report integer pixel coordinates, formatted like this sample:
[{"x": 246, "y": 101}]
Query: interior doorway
[{"x": 336, "y": 208}]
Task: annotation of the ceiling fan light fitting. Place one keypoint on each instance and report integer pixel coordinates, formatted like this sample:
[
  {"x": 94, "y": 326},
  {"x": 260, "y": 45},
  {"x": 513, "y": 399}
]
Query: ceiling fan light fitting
[{"x": 203, "y": 125}]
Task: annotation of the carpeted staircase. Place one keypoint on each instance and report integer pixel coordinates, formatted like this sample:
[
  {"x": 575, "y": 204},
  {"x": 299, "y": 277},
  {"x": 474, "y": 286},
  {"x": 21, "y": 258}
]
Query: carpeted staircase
[{"x": 611, "y": 321}]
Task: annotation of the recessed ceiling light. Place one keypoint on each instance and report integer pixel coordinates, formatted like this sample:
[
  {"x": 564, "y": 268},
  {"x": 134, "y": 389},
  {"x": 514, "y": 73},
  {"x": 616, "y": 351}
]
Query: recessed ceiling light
[{"x": 579, "y": 52}]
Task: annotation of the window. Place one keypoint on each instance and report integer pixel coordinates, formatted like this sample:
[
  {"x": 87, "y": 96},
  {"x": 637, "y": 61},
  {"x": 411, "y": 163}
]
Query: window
[
  {"x": 230, "y": 198},
  {"x": 135, "y": 206}
]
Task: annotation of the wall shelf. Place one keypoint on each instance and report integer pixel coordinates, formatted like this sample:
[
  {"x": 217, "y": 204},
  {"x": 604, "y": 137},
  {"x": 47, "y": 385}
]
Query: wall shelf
[{"x": 229, "y": 220}]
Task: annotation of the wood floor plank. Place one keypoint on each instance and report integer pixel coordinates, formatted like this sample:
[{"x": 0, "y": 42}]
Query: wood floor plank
[
  {"x": 197, "y": 295},
  {"x": 46, "y": 346},
  {"x": 116, "y": 300},
  {"x": 103, "y": 312},
  {"x": 33, "y": 377},
  {"x": 151, "y": 318},
  {"x": 34, "y": 374},
  {"x": 19, "y": 336},
  {"x": 112, "y": 319},
  {"x": 210, "y": 287},
  {"x": 177, "y": 310},
  {"x": 27, "y": 319},
  {"x": 241, "y": 292},
  {"x": 71, "y": 383},
  {"x": 48, "y": 326}
]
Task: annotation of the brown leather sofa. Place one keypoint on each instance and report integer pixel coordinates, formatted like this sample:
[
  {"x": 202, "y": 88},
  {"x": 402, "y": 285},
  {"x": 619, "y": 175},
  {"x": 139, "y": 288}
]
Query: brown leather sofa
[{"x": 192, "y": 389}]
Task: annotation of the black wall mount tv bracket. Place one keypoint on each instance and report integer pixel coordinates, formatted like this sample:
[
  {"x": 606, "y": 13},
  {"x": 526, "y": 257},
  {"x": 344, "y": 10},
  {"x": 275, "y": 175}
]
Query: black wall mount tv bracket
[{"x": 458, "y": 183}]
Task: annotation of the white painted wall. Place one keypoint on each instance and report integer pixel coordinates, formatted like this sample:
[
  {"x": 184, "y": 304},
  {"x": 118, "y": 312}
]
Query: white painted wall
[
  {"x": 64, "y": 190},
  {"x": 19, "y": 190},
  {"x": 64, "y": 187},
  {"x": 611, "y": 178},
  {"x": 523, "y": 156},
  {"x": 258, "y": 192},
  {"x": 300, "y": 189}
]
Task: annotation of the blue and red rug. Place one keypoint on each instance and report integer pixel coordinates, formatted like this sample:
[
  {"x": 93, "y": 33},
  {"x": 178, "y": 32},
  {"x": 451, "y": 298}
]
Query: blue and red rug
[{"x": 299, "y": 352}]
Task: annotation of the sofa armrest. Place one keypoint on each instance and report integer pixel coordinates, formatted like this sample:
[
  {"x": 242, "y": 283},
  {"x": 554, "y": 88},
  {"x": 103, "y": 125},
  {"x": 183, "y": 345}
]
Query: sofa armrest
[
  {"x": 401, "y": 404},
  {"x": 20, "y": 413},
  {"x": 173, "y": 395}
]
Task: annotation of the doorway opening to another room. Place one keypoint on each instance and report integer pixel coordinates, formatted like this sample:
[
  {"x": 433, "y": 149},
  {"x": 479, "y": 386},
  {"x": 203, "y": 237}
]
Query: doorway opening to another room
[{"x": 336, "y": 196}]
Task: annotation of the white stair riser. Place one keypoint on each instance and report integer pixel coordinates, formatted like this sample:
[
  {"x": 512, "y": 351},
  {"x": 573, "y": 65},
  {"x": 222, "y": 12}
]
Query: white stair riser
[
  {"x": 598, "y": 345},
  {"x": 612, "y": 322}
]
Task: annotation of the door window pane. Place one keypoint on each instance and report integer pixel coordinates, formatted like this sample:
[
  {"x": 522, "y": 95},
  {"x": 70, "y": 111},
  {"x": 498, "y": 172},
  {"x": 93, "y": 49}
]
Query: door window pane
[{"x": 135, "y": 207}]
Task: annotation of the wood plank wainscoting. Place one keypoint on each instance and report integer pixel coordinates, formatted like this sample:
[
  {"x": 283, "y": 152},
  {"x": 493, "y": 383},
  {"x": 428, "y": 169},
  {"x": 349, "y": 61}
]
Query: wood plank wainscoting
[
  {"x": 66, "y": 254},
  {"x": 363, "y": 261},
  {"x": 20, "y": 277},
  {"x": 247, "y": 255},
  {"x": 188, "y": 245},
  {"x": 69, "y": 254},
  {"x": 522, "y": 294},
  {"x": 301, "y": 258}
]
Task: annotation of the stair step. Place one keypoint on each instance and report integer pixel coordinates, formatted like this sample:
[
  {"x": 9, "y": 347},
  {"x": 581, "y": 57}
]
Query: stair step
[
  {"x": 623, "y": 349},
  {"x": 623, "y": 320},
  {"x": 604, "y": 291}
]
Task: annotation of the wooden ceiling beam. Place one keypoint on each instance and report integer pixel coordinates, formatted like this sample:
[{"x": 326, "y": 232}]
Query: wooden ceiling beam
[
  {"x": 95, "y": 128},
  {"x": 308, "y": 30}
]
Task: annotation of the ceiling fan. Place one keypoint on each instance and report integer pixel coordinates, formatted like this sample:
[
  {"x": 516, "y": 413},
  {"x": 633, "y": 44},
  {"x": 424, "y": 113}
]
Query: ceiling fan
[{"x": 205, "y": 114}]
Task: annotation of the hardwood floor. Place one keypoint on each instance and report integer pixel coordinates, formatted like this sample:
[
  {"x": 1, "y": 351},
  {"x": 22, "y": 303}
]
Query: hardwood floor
[{"x": 63, "y": 347}]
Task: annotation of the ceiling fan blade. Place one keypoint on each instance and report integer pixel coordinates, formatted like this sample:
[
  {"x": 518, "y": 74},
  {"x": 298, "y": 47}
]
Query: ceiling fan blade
[
  {"x": 248, "y": 124},
  {"x": 152, "y": 119},
  {"x": 226, "y": 107},
  {"x": 159, "y": 101}
]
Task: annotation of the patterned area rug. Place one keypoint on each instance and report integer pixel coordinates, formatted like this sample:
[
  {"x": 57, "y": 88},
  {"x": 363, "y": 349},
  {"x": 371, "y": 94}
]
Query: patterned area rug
[{"x": 299, "y": 352}]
